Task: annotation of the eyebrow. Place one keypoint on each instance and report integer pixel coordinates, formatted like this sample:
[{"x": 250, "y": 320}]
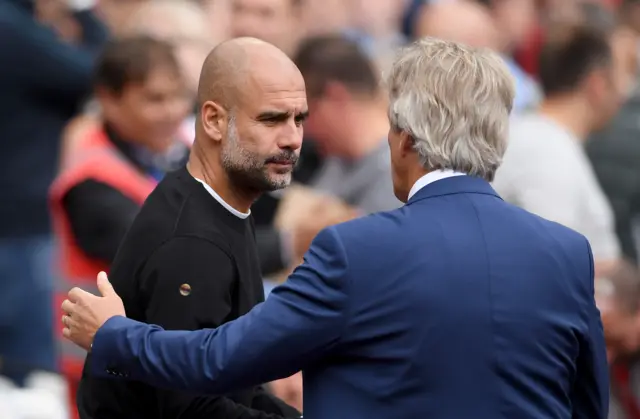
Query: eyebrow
[{"x": 281, "y": 116}]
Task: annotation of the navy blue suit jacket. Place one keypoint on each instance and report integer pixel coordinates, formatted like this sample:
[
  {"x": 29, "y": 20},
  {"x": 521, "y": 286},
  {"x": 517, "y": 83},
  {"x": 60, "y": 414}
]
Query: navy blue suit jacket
[{"x": 455, "y": 306}]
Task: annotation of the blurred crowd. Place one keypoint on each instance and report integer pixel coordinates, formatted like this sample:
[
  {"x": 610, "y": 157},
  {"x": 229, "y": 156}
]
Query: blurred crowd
[{"x": 111, "y": 85}]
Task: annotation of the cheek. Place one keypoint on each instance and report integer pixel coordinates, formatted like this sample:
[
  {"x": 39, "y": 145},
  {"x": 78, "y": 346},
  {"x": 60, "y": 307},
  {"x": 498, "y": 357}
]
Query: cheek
[
  {"x": 150, "y": 114},
  {"x": 131, "y": 111},
  {"x": 256, "y": 141}
]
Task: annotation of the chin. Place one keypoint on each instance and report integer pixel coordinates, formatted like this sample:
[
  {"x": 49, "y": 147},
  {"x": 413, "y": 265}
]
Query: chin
[{"x": 278, "y": 182}]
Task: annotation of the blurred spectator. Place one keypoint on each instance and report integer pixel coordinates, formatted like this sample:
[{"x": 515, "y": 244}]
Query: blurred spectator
[
  {"x": 629, "y": 13},
  {"x": 378, "y": 22},
  {"x": 116, "y": 12},
  {"x": 546, "y": 169},
  {"x": 474, "y": 24},
  {"x": 115, "y": 165},
  {"x": 615, "y": 151},
  {"x": 617, "y": 293},
  {"x": 218, "y": 14},
  {"x": 44, "y": 76},
  {"x": 184, "y": 25},
  {"x": 515, "y": 21},
  {"x": 459, "y": 21},
  {"x": 348, "y": 120},
  {"x": 274, "y": 21},
  {"x": 322, "y": 17},
  {"x": 377, "y": 18}
]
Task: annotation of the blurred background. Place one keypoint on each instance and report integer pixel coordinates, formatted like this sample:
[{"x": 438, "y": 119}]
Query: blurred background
[{"x": 122, "y": 74}]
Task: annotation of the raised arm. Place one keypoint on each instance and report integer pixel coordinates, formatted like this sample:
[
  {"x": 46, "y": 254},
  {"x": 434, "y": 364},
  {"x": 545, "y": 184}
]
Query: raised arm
[{"x": 301, "y": 321}]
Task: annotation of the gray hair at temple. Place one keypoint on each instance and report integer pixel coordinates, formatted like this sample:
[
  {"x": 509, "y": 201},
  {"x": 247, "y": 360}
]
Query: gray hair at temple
[{"x": 454, "y": 101}]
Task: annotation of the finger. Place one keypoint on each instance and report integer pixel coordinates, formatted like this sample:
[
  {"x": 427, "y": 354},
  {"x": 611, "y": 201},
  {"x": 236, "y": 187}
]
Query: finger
[
  {"x": 77, "y": 295},
  {"x": 104, "y": 285},
  {"x": 71, "y": 323},
  {"x": 68, "y": 307}
]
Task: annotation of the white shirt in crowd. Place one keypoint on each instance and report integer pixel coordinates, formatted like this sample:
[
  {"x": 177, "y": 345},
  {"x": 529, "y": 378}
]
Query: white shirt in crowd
[{"x": 547, "y": 172}]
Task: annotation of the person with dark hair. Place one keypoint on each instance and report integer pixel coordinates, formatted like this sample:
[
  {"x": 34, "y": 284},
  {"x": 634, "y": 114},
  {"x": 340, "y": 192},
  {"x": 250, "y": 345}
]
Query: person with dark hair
[
  {"x": 546, "y": 169},
  {"x": 108, "y": 173},
  {"x": 615, "y": 151},
  {"x": 348, "y": 120}
]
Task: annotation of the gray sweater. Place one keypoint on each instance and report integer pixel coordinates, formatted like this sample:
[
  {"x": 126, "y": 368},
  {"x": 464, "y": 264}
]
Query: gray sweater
[{"x": 546, "y": 171}]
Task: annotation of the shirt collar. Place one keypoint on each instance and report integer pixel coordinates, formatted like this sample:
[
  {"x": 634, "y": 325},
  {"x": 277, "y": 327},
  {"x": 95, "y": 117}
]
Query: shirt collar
[
  {"x": 214, "y": 194},
  {"x": 432, "y": 177}
]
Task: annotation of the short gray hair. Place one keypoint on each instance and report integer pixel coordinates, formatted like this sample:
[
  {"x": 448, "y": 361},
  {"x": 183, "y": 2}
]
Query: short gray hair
[{"x": 455, "y": 103}]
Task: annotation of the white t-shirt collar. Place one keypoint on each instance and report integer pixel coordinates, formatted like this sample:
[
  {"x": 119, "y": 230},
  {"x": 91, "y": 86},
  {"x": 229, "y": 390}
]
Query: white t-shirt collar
[{"x": 222, "y": 202}]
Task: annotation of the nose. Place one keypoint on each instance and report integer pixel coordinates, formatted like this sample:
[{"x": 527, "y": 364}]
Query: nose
[
  {"x": 292, "y": 141},
  {"x": 291, "y": 137}
]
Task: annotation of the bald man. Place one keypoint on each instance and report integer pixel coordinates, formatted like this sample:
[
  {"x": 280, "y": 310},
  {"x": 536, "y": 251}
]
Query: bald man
[{"x": 189, "y": 261}]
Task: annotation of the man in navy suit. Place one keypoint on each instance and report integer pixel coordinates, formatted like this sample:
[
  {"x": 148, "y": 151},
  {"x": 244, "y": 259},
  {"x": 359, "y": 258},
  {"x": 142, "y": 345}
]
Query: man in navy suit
[{"x": 455, "y": 306}]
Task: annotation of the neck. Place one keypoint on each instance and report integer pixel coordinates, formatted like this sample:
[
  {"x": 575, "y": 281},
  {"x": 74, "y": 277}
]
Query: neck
[
  {"x": 414, "y": 172},
  {"x": 570, "y": 112},
  {"x": 370, "y": 127},
  {"x": 212, "y": 173}
]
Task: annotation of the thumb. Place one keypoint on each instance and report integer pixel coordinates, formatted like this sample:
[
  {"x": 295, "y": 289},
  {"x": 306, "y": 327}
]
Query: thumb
[{"x": 104, "y": 286}]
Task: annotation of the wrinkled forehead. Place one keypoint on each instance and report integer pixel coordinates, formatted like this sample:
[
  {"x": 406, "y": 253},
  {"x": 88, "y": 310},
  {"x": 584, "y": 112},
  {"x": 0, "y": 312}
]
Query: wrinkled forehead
[{"x": 273, "y": 88}]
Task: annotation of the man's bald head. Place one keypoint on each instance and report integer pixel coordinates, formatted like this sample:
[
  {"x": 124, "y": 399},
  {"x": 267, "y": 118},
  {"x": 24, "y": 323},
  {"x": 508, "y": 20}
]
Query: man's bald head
[
  {"x": 466, "y": 22},
  {"x": 231, "y": 67},
  {"x": 252, "y": 105}
]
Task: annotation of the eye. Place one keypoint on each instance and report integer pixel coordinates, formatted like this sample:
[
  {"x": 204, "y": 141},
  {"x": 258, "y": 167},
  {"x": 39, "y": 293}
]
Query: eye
[
  {"x": 299, "y": 119},
  {"x": 271, "y": 122}
]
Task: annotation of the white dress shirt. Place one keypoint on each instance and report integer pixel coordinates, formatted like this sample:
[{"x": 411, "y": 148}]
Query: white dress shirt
[{"x": 431, "y": 177}]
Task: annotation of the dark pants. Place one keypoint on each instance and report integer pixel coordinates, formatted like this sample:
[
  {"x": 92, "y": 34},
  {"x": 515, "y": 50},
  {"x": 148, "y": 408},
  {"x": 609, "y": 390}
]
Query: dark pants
[{"x": 27, "y": 340}]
